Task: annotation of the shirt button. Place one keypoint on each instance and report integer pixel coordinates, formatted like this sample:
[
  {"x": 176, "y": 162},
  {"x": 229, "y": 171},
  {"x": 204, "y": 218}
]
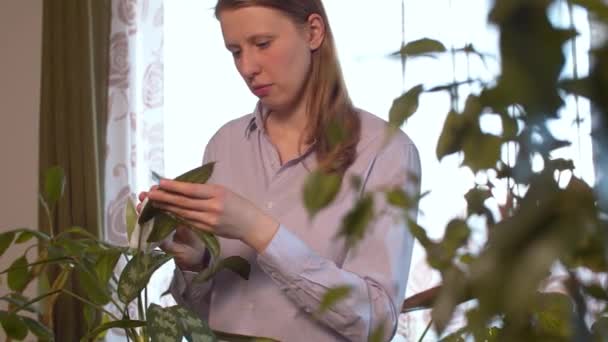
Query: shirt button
[{"x": 270, "y": 205}]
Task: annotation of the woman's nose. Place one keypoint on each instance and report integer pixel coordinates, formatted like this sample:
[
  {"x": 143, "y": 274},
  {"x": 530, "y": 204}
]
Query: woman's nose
[{"x": 249, "y": 66}]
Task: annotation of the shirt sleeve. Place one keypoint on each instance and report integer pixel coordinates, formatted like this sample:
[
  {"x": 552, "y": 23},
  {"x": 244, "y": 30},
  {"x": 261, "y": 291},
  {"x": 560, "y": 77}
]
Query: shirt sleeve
[
  {"x": 195, "y": 296},
  {"x": 376, "y": 270}
]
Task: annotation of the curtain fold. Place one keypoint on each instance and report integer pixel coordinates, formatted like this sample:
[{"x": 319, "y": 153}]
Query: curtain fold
[{"x": 72, "y": 124}]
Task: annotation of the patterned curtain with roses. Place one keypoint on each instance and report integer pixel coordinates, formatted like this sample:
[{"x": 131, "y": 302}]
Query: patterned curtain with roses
[
  {"x": 135, "y": 120},
  {"x": 135, "y": 104}
]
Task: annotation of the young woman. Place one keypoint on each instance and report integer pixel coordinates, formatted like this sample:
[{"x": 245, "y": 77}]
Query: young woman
[{"x": 284, "y": 50}]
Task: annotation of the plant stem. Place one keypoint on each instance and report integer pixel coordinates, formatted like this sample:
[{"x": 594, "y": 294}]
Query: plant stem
[
  {"x": 32, "y": 301},
  {"x": 86, "y": 301},
  {"x": 425, "y": 331}
]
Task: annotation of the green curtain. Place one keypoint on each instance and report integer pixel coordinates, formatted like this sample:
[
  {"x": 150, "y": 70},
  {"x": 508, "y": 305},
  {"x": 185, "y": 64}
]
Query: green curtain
[{"x": 73, "y": 117}]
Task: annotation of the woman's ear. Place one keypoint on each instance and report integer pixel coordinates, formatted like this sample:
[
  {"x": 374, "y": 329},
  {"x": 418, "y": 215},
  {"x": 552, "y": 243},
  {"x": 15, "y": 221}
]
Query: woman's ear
[{"x": 316, "y": 31}]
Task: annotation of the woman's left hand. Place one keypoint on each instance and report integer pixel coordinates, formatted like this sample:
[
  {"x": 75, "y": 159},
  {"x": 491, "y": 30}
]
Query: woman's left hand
[{"x": 217, "y": 210}]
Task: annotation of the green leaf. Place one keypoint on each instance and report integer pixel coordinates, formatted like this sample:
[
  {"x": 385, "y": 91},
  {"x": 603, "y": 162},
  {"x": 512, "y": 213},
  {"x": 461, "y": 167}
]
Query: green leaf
[
  {"x": 38, "y": 329},
  {"x": 236, "y": 264},
  {"x": 398, "y": 198},
  {"x": 357, "y": 219},
  {"x": 54, "y": 185},
  {"x": 482, "y": 151},
  {"x": 130, "y": 218},
  {"x": 198, "y": 175},
  {"x": 554, "y": 314},
  {"x": 404, "y": 106},
  {"x": 210, "y": 241},
  {"x": 450, "y": 140},
  {"x": 320, "y": 189},
  {"x": 195, "y": 329},
  {"x": 456, "y": 235},
  {"x": 76, "y": 231},
  {"x": 13, "y": 325},
  {"x": 163, "y": 324},
  {"x": 106, "y": 263},
  {"x": 581, "y": 87},
  {"x": 421, "y": 47},
  {"x": 123, "y": 324},
  {"x": 27, "y": 234},
  {"x": 419, "y": 233},
  {"x": 96, "y": 291},
  {"x": 333, "y": 296},
  {"x": 335, "y": 133},
  {"x": 136, "y": 274},
  {"x": 164, "y": 224},
  {"x": 596, "y": 291},
  {"x": 599, "y": 329},
  {"x": 24, "y": 237},
  {"x": 377, "y": 334},
  {"x": 475, "y": 200},
  {"x": 5, "y": 241},
  {"x": 19, "y": 275}
]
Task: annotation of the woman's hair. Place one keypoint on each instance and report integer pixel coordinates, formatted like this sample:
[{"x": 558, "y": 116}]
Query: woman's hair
[{"x": 329, "y": 105}]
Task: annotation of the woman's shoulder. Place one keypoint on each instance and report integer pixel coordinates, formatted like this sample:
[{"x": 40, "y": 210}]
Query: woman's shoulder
[
  {"x": 233, "y": 129},
  {"x": 374, "y": 131}
]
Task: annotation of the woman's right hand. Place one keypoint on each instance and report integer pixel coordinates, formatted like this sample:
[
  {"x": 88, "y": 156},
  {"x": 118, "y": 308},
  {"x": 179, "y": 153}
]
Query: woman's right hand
[{"x": 188, "y": 251}]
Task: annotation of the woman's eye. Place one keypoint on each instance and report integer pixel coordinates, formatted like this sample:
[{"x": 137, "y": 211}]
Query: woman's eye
[
  {"x": 235, "y": 54},
  {"x": 263, "y": 45}
]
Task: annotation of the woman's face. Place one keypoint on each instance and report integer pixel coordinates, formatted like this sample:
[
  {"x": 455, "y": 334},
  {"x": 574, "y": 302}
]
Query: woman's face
[{"x": 271, "y": 52}]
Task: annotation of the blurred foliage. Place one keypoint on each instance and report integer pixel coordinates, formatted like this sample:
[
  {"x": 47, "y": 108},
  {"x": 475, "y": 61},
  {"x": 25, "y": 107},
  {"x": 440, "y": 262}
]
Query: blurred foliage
[{"x": 548, "y": 220}]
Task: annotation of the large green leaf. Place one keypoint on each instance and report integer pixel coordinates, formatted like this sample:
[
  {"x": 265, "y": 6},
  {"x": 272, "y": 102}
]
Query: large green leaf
[
  {"x": 13, "y": 325},
  {"x": 320, "y": 190},
  {"x": 195, "y": 329},
  {"x": 357, "y": 219},
  {"x": 106, "y": 263},
  {"x": 19, "y": 274},
  {"x": 210, "y": 241},
  {"x": 163, "y": 324},
  {"x": 124, "y": 324},
  {"x": 26, "y": 234},
  {"x": 5, "y": 241},
  {"x": 163, "y": 225},
  {"x": 54, "y": 185},
  {"x": 198, "y": 175},
  {"x": 482, "y": 151},
  {"x": 404, "y": 106},
  {"x": 332, "y": 296},
  {"x": 130, "y": 218},
  {"x": 136, "y": 274},
  {"x": 96, "y": 290},
  {"x": 236, "y": 264}
]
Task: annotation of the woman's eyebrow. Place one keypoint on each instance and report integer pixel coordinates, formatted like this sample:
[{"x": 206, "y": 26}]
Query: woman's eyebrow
[{"x": 252, "y": 38}]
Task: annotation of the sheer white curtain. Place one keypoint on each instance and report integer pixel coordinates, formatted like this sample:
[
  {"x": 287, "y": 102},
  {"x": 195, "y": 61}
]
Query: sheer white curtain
[
  {"x": 135, "y": 135},
  {"x": 203, "y": 91}
]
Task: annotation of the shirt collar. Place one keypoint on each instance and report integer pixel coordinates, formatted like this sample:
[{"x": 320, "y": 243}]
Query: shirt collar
[{"x": 257, "y": 121}]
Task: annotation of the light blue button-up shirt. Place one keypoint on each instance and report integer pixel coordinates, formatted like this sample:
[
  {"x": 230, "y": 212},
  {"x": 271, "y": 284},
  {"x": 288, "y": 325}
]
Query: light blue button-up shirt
[{"x": 305, "y": 259}]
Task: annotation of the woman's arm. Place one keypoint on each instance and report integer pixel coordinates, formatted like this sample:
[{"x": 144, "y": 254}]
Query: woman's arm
[{"x": 376, "y": 269}]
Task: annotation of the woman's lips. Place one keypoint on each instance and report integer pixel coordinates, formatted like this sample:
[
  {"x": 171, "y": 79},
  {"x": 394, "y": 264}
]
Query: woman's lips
[{"x": 262, "y": 91}]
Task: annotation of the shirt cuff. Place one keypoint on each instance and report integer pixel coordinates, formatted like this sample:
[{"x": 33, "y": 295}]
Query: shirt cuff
[{"x": 285, "y": 256}]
